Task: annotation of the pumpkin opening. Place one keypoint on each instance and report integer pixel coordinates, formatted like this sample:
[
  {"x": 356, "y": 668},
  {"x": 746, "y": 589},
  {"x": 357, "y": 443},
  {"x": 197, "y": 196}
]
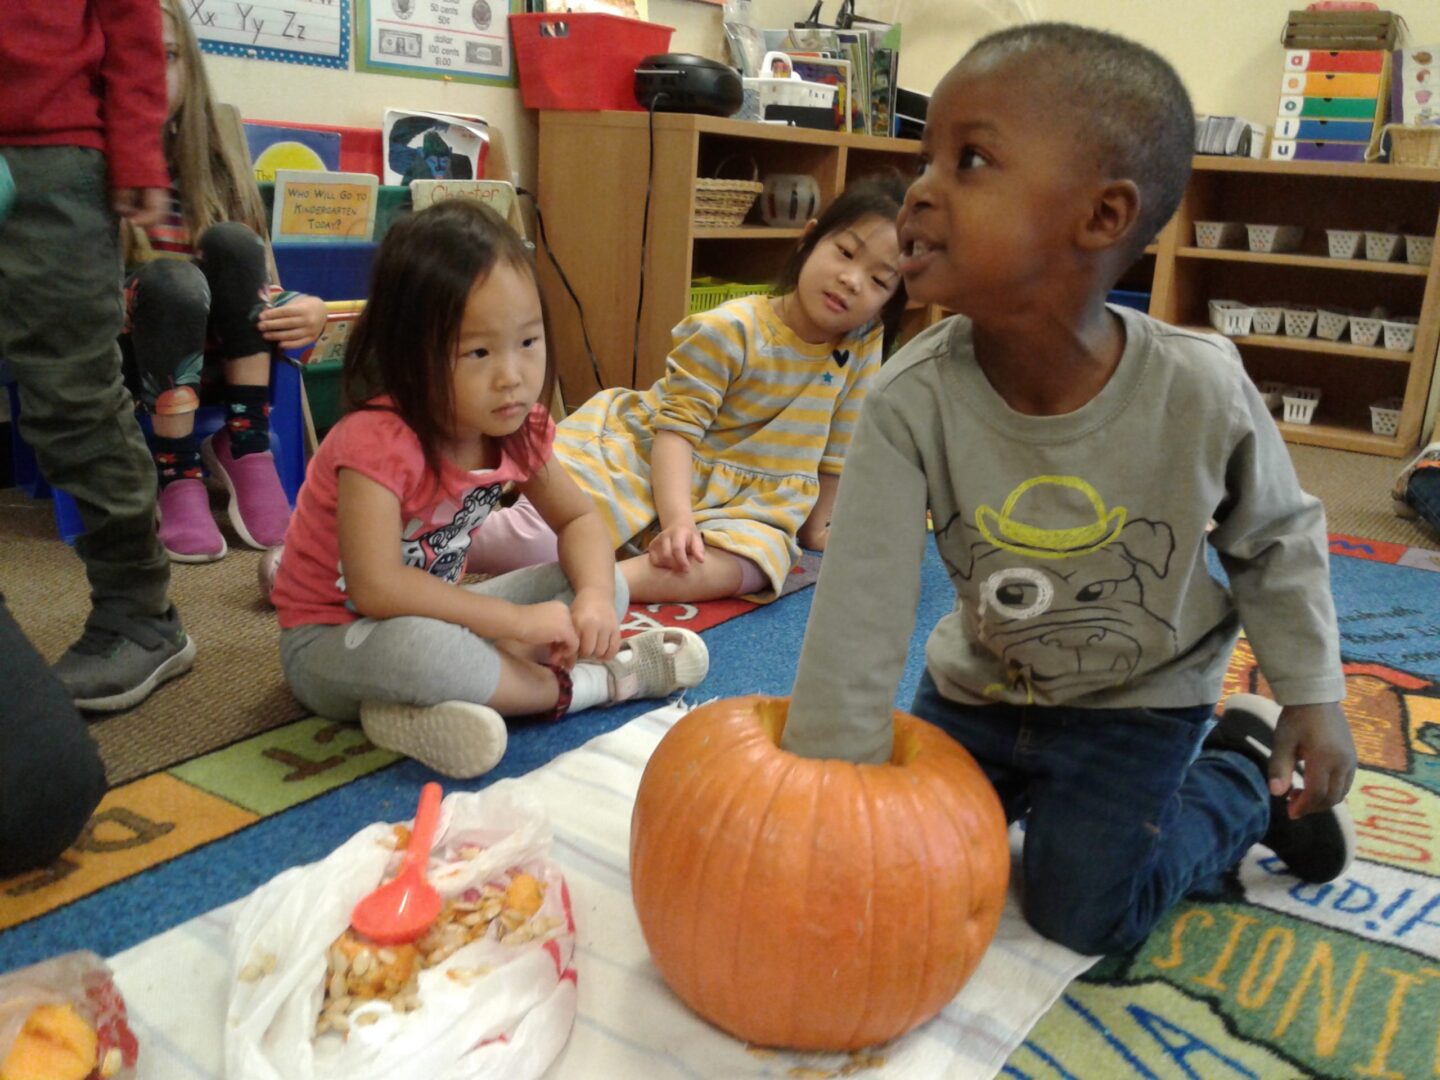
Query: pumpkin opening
[{"x": 773, "y": 712}]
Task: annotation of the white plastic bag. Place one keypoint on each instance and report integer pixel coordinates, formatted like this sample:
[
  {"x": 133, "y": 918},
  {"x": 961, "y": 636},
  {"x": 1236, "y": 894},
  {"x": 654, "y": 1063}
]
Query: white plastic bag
[
  {"x": 509, "y": 1022},
  {"x": 84, "y": 982}
]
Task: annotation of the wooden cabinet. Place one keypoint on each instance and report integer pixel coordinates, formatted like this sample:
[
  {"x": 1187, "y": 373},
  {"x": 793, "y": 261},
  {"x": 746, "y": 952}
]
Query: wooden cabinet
[
  {"x": 594, "y": 170},
  {"x": 1317, "y": 196}
]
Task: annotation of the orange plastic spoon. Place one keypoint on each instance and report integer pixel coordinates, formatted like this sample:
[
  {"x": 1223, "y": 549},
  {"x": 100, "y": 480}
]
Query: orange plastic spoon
[{"x": 403, "y": 909}]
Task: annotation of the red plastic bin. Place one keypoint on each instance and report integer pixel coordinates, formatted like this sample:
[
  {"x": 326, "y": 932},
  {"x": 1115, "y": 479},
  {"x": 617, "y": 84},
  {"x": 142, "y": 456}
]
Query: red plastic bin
[{"x": 583, "y": 61}]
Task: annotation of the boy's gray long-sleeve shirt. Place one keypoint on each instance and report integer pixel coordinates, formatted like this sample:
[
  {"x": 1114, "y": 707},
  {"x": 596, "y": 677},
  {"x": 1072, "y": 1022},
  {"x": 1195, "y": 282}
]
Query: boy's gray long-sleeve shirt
[{"x": 1075, "y": 543}]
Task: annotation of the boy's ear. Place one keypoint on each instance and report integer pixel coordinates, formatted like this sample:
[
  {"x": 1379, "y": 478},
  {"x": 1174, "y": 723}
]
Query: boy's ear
[
  {"x": 1113, "y": 213},
  {"x": 809, "y": 227}
]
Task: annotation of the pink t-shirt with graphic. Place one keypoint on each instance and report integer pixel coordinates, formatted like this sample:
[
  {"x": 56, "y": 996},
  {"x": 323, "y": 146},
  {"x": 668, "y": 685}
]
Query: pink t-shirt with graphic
[{"x": 438, "y": 521}]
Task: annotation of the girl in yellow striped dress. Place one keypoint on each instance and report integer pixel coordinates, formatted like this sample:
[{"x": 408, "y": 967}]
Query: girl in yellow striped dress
[{"x": 730, "y": 463}]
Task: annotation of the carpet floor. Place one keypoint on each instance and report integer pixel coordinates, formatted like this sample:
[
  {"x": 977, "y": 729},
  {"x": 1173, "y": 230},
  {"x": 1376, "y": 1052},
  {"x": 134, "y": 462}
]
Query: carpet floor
[
  {"x": 1272, "y": 980},
  {"x": 235, "y": 690}
]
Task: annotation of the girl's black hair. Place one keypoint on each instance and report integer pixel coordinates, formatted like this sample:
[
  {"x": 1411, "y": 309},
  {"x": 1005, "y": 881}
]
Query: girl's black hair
[
  {"x": 879, "y": 195},
  {"x": 403, "y": 345}
]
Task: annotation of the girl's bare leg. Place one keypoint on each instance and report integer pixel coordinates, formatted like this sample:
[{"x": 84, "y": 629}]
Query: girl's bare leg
[{"x": 719, "y": 576}]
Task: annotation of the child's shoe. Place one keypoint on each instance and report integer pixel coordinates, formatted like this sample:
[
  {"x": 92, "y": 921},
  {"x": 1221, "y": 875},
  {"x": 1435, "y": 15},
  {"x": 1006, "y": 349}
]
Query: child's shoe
[
  {"x": 1317, "y": 847},
  {"x": 658, "y": 663},
  {"x": 266, "y": 569},
  {"x": 187, "y": 529},
  {"x": 258, "y": 507},
  {"x": 118, "y": 662},
  {"x": 1428, "y": 458},
  {"x": 455, "y": 738}
]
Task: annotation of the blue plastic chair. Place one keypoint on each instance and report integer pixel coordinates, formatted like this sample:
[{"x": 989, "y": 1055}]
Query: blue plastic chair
[{"x": 287, "y": 441}]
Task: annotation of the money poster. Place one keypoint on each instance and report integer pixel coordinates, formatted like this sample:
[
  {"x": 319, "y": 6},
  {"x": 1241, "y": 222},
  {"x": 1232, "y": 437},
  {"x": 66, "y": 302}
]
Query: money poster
[{"x": 465, "y": 40}]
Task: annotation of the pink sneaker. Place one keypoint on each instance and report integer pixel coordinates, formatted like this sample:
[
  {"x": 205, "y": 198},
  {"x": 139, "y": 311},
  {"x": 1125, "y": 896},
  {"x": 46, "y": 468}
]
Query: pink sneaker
[
  {"x": 258, "y": 508},
  {"x": 187, "y": 531}
]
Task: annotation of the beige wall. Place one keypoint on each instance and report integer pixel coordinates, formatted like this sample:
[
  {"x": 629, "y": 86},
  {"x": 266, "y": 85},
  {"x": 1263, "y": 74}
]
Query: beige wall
[
  {"x": 267, "y": 90},
  {"x": 1227, "y": 51}
]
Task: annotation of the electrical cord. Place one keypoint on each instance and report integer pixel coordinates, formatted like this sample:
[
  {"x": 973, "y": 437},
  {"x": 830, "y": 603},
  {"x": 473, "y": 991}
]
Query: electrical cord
[
  {"x": 580, "y": 309},
  {"x": 644, "y": 238}
]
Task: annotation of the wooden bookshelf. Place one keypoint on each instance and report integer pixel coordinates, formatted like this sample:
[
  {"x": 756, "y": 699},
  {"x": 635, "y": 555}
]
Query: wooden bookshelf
[
  {"x": 1317, "y": 196},
  {"x": 594, "y": 168}
]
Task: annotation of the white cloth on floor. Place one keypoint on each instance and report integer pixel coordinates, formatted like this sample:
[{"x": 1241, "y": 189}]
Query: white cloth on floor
[{"x": 629, "y": 1023}]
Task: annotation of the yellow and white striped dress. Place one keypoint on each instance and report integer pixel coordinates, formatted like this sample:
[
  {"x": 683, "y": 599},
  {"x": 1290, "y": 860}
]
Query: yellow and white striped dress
[{"x": 765, "y": 412}]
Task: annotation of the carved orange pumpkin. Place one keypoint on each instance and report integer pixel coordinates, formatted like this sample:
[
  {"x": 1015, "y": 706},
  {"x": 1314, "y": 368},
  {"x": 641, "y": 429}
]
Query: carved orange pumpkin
[{"x": 814, "y": 904}]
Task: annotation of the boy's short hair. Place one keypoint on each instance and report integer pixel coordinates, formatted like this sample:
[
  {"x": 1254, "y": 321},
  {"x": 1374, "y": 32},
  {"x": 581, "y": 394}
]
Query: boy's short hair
[{"x": 1127, "y": 103}]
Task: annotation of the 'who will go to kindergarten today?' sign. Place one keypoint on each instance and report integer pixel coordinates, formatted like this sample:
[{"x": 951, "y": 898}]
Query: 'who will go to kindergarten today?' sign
[{"x": 315, "y": 206}]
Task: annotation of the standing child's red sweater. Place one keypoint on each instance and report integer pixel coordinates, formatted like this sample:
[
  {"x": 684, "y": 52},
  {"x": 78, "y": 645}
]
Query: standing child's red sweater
[{"x": 59, "y": 59}]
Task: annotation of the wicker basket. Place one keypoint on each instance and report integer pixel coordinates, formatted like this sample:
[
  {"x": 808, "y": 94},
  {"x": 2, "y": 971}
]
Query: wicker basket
[
  {"x": 723, "y": 204},
  {"x": 1413, "y": 144}
]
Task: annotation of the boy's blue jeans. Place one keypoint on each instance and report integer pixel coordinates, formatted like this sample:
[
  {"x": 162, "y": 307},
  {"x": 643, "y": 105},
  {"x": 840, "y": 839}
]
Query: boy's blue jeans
[
  {"x": 1422, "y": 492},
  {"x": 1124, "y": 813}
]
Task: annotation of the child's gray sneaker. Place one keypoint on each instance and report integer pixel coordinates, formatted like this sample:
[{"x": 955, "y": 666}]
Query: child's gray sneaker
[
  {"x": 1317, "y": 847},
  {"x": 119, "y": 661}
]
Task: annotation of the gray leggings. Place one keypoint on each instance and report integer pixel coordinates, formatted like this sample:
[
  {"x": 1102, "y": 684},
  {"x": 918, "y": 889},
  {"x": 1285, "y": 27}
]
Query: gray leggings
[{"x": 412, "y": 660}]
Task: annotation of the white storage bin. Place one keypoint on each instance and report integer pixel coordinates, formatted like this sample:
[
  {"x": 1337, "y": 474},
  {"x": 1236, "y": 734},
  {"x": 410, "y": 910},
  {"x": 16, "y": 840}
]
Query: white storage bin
[
  {"x": 1344, "y": 243},
  {"x": 1418, "y": 249},
  {"x": 1231, "y": 317},
  {"x": 1385, "y": 416},
  {"x": 1219, "y": 234},
  {"x": 1331, "y": 325},
  {"x": 1299, "y": 321},
  {"x": 1382, "y": 246},
  {"x": 1273, "y": 393},
  {"x": 791, "y": 92},
  {"x": 1275, "y": 239},
  {"x": 1267, "y": 319},
  {"x": 1364, "y": 330},
  {"x": 1399, "y": 334},
  {"x": 1300, "y": 404}
]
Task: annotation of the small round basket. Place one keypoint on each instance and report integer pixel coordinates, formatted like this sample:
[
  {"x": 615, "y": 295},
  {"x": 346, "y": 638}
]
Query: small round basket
[
  {"x": 1411, "y": 144},
  {"x": 723, "y": 204}
]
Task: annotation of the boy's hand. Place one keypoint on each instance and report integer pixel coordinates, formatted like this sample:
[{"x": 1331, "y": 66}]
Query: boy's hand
[
  {"x": 296, "y": 324},
  {"x": 593, "y": 614},
  {"x": 1318, "y": 736},
  {"x": 676, "y": 547},
  {"x": 549, "y": 624}
]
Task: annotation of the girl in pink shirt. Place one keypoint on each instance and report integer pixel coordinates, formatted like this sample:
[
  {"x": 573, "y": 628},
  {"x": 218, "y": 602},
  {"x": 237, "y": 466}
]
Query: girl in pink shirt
[{"x": 448, "y": 371}]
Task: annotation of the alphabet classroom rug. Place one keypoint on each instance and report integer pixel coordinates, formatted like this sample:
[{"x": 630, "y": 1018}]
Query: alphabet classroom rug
[
  {"x": 194, "y": 802},
  {"x": 1283, "y": 979},
  {"x": 1280, "y": 979}
]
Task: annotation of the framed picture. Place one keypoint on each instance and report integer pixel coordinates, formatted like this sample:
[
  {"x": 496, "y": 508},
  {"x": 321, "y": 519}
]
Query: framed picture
[{"x": 459, "y": 40}]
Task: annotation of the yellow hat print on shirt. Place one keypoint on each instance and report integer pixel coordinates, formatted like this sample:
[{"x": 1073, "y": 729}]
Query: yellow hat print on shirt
[{"x": 1009, "y": 531}]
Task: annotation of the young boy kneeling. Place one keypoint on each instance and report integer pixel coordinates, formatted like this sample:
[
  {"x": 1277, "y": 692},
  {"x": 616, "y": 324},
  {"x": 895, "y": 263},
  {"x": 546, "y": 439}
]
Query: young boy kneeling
[{"x": 1072, "y": 455}]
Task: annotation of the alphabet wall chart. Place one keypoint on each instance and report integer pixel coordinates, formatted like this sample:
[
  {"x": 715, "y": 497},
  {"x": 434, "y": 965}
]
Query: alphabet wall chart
[{"x": 313, "y": 32}]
